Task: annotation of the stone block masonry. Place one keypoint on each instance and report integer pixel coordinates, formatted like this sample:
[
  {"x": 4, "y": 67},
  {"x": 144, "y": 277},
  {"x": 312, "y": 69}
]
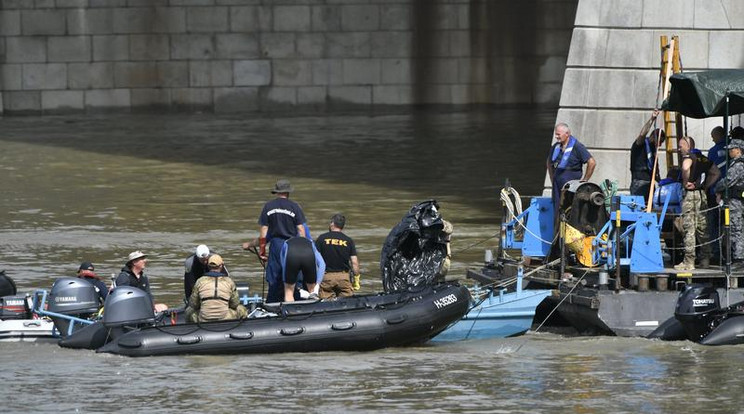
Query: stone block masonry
[
  {"x": 612, "y": 74},
  {"x": 61, "y": 56}
]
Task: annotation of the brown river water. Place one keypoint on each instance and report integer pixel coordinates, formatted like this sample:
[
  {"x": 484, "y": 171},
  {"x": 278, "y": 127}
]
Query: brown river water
[{"x": 95, "y": 188}]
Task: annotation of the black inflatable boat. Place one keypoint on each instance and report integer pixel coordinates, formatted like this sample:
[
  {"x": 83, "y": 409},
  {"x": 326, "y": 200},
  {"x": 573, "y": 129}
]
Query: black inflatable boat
[
  {"x": 357, "y": 323},
  {"x": 699, "y": 317}
]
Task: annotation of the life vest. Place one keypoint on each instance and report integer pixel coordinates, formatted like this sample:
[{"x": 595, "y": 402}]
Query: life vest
[
  {"x": 563, "y": 164},
  {"x": 215, "y": 290}
]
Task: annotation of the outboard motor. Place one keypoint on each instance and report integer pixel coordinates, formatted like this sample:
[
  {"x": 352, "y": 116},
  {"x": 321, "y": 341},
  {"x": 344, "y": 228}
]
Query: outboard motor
[
  {"x": 72, "y": 297},
  {"x": 12, "y": 306},
  {"x": 696, "y": 309},
  {"x": 7, "y": 285},
  {"x": 128, "y": 306}
]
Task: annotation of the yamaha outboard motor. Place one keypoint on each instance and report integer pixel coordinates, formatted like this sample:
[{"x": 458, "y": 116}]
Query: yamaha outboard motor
[
  {"x": 128, "y": 306},
  {"x": 12, "y": 306},
  {"x": 697, "y": 309},
  {"x": 72, "y": 297},
  {"x": 7, "y": 285}
]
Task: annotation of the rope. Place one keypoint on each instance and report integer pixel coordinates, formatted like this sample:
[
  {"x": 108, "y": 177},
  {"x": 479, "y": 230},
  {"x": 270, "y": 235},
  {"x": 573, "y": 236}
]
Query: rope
[
  {"x": 512, "y": 206},
  {"x": 475, "y": 244},
  {"x": 697, "y": 245},
  {"x": 578, "y": 282}
]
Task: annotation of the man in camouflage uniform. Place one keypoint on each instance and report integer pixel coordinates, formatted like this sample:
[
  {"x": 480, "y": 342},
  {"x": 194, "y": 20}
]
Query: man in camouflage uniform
[
  {"x": 694, "y": 222},
  {"x": 215, "y": 296},
  {"x": 735, "y": 181}
]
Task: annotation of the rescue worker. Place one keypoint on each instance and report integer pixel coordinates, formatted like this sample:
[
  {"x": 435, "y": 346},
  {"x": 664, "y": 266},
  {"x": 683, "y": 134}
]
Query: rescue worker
[
  {"x": 694, "y": 203},
  {"x": 280, "y": 220},
  {"x": 717, "y": 155},
  {"x": 642, "y": 155},
  {"x": 340, "y": 256},
  {"x": 215, "y": 296},
  {"x": 133, "y": 274},
  {"x": 195, "y": 267},
  {"x": 734, "y": 180},
  {"x": 565, "y": 161},
  {"x": 87, "y": 271},
  {"x": 301, "y": 263}
]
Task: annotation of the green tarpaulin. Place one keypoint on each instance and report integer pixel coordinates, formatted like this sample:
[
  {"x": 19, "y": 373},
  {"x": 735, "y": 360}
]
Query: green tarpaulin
[{"x": 702, "y": 94}]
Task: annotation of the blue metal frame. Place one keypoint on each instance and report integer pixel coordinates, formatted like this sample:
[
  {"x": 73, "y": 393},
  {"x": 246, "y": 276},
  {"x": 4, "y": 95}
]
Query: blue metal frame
[
  {"x": 644, "y": 231},
  {"x": 539, "y": 227},
  {"x": 39, "y": 309}
]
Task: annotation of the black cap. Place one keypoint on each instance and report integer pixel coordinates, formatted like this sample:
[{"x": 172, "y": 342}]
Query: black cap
[{"x": 86, "y": 266}]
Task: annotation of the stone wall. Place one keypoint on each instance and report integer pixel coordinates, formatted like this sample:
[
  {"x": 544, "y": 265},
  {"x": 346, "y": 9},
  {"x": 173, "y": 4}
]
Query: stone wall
[
  {"x": 612, "y": 75},
  {"x": 249, "y": 55}
]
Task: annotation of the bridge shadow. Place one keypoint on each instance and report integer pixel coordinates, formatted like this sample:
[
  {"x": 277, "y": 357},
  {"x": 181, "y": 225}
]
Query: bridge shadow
[{"x": 465, "y": 155}]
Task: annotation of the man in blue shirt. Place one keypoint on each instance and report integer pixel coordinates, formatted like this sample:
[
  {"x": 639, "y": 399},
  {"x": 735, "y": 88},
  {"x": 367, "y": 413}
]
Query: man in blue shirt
[
  {"x": 566, "y": 160},
  {"x": 280, "y": 220}
]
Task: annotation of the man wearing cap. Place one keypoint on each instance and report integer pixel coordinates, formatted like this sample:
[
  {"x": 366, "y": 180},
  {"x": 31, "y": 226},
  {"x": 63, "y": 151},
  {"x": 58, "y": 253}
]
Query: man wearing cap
[
  {"x": 133, "y": 274},
  {"x": 86, "y": 271},
  {"x": 280, "y": 220},
  {"x": 734, "y": 180},
  {"x": 340, "y": 256},
  {"x": 196, "y": 266},
  {"x": 215, "y": 296}
]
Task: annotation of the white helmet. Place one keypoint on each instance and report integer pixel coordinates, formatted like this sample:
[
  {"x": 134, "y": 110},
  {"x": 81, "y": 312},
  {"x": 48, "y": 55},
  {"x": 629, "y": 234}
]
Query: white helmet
[{"x": 202, "y": 251}]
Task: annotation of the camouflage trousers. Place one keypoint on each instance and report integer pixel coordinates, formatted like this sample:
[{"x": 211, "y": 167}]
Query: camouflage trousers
[
  {"x": 736, "y": 219},
  {"x": 695, "y": 224}
]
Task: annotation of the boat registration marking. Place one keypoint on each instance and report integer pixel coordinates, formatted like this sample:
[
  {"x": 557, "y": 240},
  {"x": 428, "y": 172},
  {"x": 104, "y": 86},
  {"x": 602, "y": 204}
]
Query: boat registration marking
[
  {"x": 647, "y": 323},
  {"x": 445, "y": 301}
]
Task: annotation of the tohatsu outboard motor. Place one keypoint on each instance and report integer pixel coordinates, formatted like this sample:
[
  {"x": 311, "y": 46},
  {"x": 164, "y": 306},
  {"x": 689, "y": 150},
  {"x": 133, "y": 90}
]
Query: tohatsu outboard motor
[
  {"x": 128, "y": 306},
  {"x": 698, "y": 310},
  {"x": 72, "y": 297}
]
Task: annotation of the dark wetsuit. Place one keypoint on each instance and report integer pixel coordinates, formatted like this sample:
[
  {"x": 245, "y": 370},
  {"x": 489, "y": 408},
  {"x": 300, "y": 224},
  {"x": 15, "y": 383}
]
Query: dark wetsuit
[{"x": 300, "y": 255}]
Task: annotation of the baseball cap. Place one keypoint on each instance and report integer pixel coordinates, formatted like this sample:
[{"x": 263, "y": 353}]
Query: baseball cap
[
  {"x": 215, "y": 260},
  {"x": 202, "y": 251}
]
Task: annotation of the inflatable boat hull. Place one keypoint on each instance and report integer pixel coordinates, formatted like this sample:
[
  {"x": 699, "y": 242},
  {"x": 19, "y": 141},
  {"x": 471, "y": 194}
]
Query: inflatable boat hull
[
  {"x": 27, "y": 330},
  {"x": 351, "y": 324}
]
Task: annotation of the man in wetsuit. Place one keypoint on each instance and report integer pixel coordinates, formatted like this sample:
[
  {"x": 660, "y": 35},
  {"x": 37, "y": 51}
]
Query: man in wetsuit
[
  {"x": 195, "y": 267},
  {"x": 301, "y": 263}
]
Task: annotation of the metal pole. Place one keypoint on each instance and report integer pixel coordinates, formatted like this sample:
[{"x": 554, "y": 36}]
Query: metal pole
[
  {"x": 616, "y": 207},
  {"x": 562, "y": 234},
  {"x": 726, "y": 226}
]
